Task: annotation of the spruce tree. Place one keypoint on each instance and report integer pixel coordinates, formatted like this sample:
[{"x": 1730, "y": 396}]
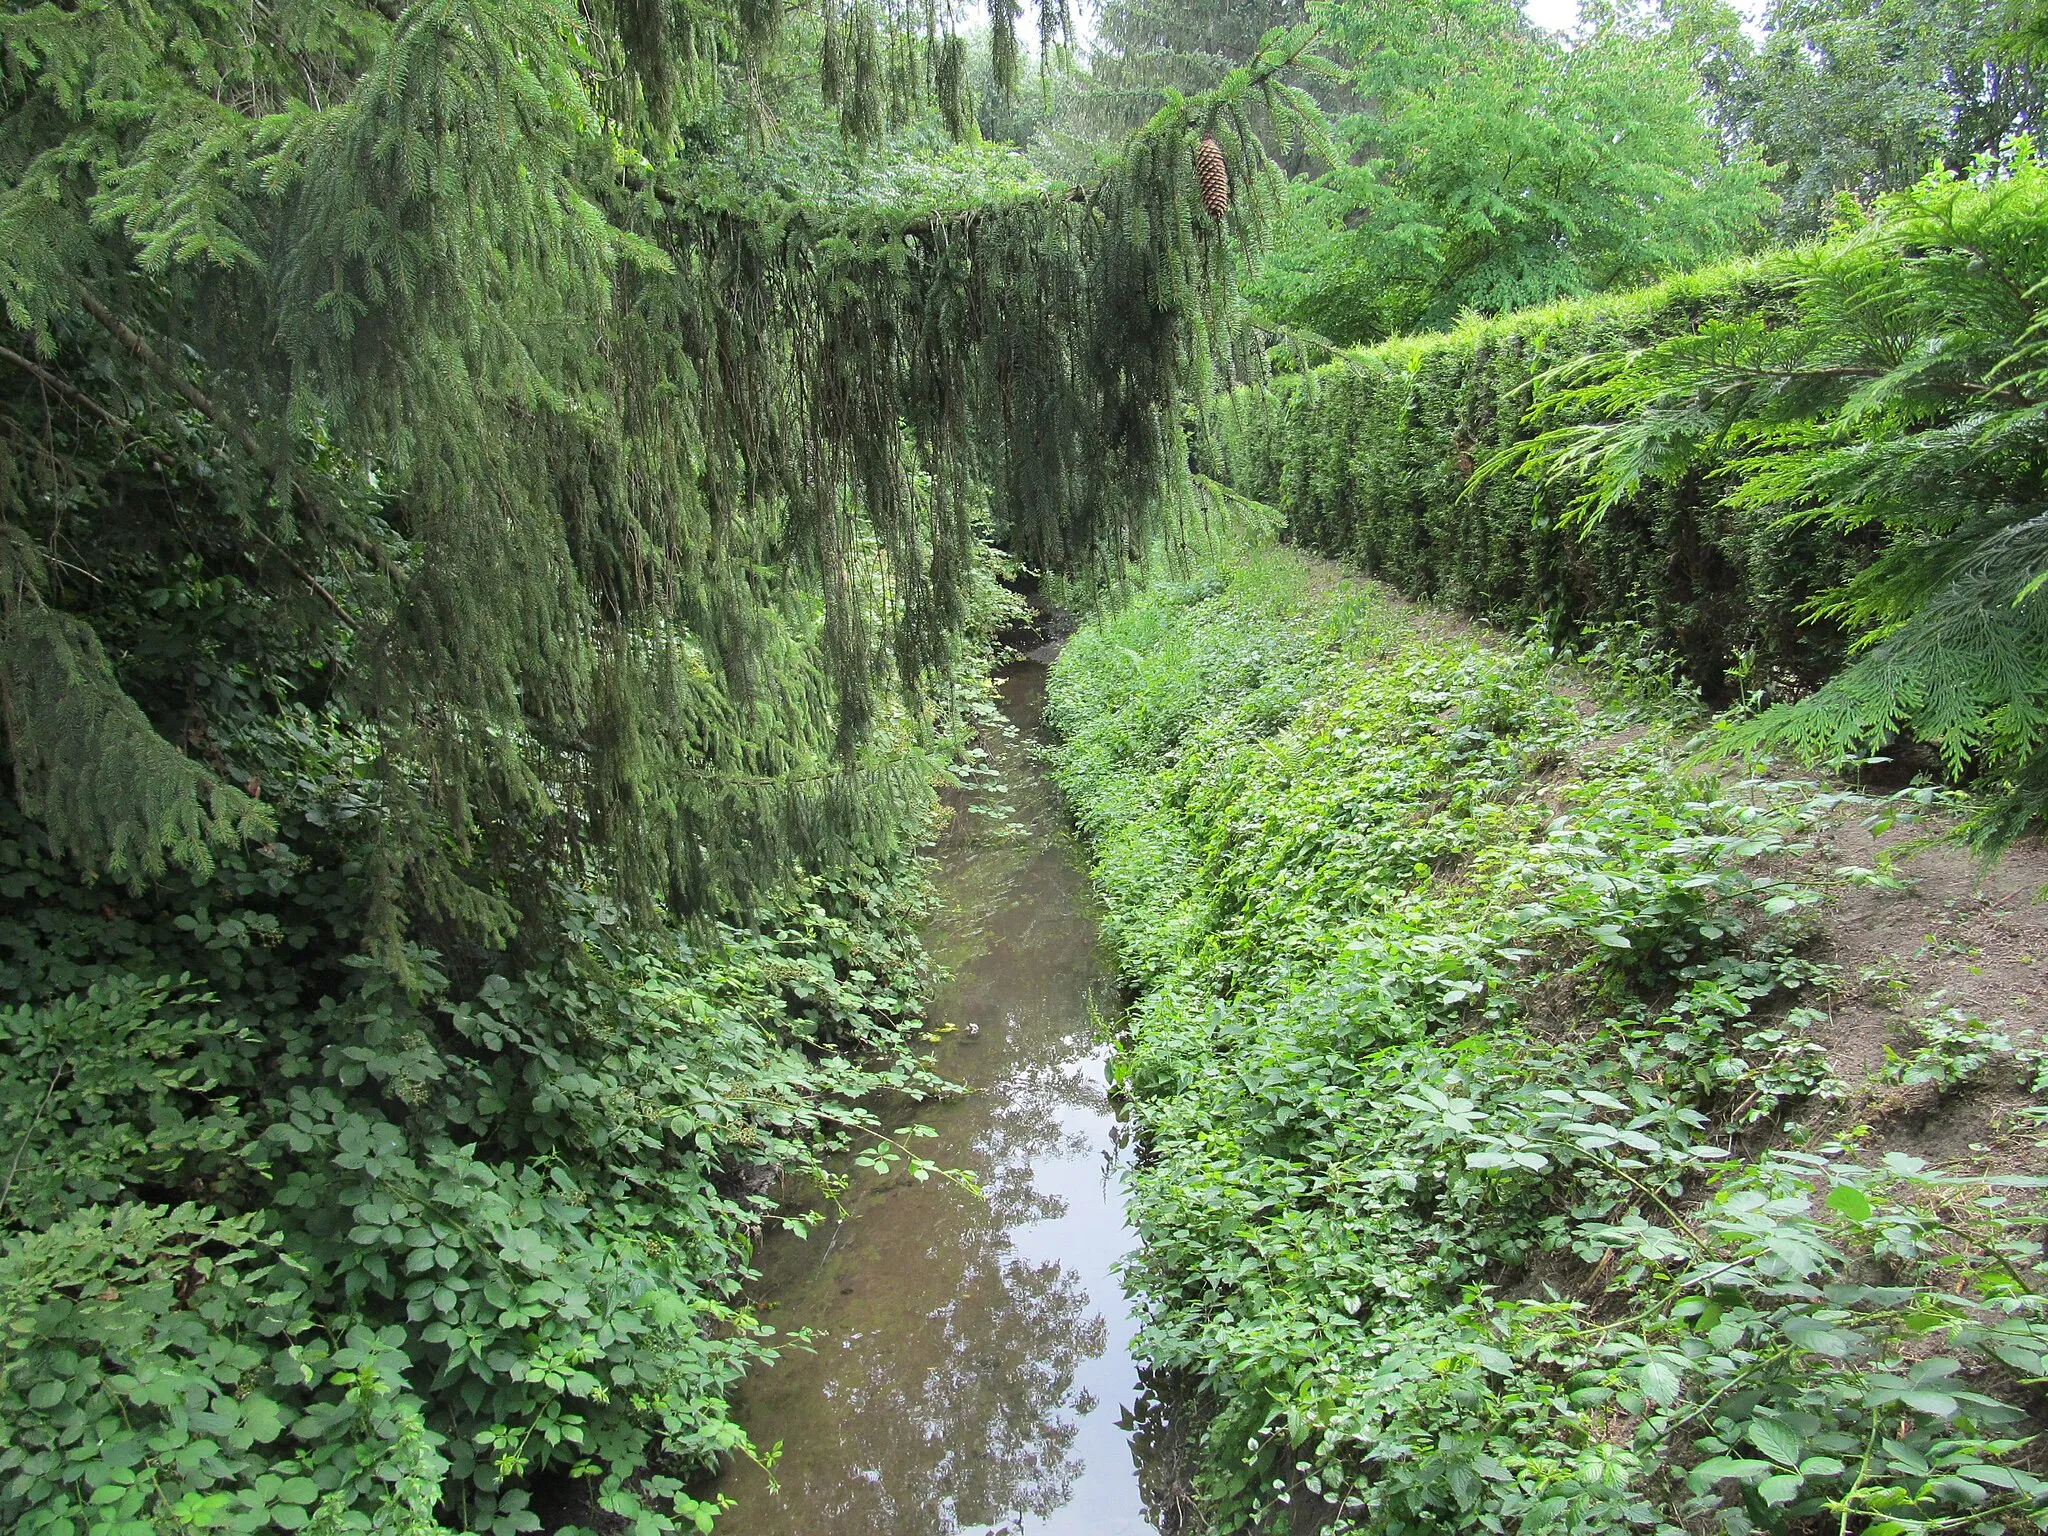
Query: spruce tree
[{"x": 607, "y": 391}]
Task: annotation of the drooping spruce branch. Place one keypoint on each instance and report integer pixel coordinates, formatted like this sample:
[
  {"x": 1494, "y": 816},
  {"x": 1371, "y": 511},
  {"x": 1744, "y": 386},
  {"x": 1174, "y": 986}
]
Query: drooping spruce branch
[{"x": 654, "y": 447}]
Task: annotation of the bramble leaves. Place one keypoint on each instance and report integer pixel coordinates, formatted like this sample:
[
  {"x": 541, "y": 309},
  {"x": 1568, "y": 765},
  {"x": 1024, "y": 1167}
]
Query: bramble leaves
[{"x": 1444, "y": 1201}]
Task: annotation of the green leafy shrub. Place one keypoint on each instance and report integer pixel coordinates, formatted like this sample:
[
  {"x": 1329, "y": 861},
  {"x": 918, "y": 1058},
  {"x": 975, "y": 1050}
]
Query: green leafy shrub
[
  {"x": 287, "y": 1244},
  {"x": 447, "y": 1244},
  {"x": 1461, "y": 1003},
  {"x": 1954, "y": 1048},
  {"x": 163, "y": 1369},
  {"x": 1817, "y": 477}
]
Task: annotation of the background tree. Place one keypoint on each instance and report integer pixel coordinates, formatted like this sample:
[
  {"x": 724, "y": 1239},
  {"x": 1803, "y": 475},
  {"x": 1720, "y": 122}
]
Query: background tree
[
  {"x": 1491, "y": 165},
  {"x": 1860, "y": 96},
  {"x": 1145, "y": 46},
  {"x": 1141, "y": 49}
]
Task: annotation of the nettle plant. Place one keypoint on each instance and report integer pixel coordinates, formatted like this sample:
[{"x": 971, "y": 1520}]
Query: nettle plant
[{"x": 1466, "y": 1008}]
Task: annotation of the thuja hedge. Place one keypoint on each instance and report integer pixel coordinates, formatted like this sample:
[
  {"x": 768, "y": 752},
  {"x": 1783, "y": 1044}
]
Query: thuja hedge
[{"x": 1372, "y": 459}]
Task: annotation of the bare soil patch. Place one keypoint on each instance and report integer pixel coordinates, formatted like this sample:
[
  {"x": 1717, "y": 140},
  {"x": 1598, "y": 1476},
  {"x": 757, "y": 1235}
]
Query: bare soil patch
[{"x": 1959, "y": 936}]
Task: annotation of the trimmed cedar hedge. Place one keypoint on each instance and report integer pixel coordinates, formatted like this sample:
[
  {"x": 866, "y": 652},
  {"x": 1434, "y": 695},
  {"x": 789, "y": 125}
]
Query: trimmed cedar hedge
[{"x": 1369, "y": 457}]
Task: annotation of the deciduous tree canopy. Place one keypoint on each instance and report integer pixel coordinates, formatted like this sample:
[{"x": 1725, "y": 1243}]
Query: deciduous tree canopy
[{"x": 1490, "y": 165}]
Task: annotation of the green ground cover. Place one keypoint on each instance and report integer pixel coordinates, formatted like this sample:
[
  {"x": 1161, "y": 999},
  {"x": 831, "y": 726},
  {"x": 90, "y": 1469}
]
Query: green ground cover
[
  {"x": 1469, "y": 1064},
  {"x": 468, "y": 1258}
]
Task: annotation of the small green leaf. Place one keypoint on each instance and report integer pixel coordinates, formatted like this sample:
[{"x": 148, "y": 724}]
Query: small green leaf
[
  {"x": 1782, "y": 1489},
  {"x": 1660, "y": 1383},
  {"x": 1851, "y": 1202},
  {"x": 1715, "y": 1468},
  {"x": 1776, "y": 1439},
  {"x": 1939, "y": 1404}
]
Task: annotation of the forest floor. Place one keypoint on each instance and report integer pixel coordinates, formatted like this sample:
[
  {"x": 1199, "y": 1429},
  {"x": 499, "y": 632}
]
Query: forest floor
[
  {"x": 1958, "y": 936},
  {"x": 1954, "y": 936}
]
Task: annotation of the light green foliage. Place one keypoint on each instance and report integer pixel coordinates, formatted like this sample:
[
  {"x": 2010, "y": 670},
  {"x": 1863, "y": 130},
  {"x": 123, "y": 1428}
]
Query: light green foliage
[
  {"x": 303, "y": 1248},
  {"x": 498, "y": 504},
  {"x": 1899, "y": 393},
  {"x": 1457, "y": 997},
  {"x": 1488, "y": 167},
  {"x": 614, "y": 414},
  {"x": 162, "y": 1371},
  {"x": 1954, "y": 1048}
]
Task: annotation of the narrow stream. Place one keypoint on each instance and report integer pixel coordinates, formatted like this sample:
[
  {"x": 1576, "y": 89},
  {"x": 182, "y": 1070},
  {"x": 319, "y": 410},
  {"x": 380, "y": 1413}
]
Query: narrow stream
[{"x": 971, "y": 1370}]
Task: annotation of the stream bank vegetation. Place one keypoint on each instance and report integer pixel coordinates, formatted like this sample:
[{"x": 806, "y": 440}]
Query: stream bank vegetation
[
  {"x": 1513, "y": 1159},
  {"x": 1816, "y": 478},
  {"x": 503, "y": 509},
  {"x": 499, "y": 518}
]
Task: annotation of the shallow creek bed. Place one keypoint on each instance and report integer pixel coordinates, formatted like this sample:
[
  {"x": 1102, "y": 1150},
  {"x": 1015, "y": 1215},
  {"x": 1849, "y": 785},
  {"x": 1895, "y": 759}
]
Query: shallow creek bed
[{"x": 956, "y": 1352}]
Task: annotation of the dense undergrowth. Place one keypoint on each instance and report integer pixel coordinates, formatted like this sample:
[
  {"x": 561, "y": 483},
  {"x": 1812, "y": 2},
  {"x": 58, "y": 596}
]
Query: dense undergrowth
[
  {"x": 285, "y": 1245},
  {"x": 289, "y": 1256},
  {"x": 497, "y": 507},
  {"x": 1470, "y": 1063}
]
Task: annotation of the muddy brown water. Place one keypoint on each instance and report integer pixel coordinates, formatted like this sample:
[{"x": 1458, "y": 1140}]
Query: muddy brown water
[{"x": 970, "y": 1368}]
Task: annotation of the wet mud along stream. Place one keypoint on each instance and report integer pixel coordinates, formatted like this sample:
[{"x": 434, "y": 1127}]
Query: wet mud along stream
[{"x": 970, "y": 1368}]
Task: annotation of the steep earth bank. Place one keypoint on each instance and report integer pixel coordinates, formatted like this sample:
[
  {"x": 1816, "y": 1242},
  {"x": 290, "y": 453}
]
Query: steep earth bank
[{"x": 1547, "y": 1128}]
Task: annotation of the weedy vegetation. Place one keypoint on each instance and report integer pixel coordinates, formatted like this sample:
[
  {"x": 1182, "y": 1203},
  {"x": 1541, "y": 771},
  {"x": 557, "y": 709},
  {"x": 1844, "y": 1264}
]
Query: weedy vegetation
[
  {"x": 499, "y": 521},
  {"x": 1470, "y": 1063}
]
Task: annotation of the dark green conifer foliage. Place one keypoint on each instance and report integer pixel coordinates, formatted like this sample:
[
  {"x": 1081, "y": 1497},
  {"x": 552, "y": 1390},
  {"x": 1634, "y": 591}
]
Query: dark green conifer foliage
[
  {"x": 88, "y": 765},
  {"x": 629, "y": 471},
  {"x": 1005, "y": 56},
  {"x": 860, "y": 103},
  {"x": 498, "y": 471},
  {"x": 1056, "y": 34},
  {"x": 950, "y": 79},
  {"x": 1898, "y": 398},
  {"x": 1142, "y": 47},
  {"x": 832, "y": 62}
]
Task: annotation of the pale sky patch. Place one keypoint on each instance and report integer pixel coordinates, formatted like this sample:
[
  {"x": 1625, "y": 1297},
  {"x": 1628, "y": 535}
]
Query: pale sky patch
[{"x": 1556, "y": 15}]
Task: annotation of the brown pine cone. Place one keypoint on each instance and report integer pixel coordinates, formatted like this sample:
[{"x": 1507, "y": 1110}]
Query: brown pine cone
[{"x": 1213, "y": 175}]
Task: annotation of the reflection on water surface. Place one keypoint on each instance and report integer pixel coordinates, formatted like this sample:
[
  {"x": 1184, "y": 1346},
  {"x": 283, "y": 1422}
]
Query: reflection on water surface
[{"x": 971, "y": 1364}]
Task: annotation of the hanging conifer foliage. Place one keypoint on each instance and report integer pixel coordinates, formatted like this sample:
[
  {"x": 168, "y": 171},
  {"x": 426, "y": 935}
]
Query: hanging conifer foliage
[
  {"x": 1005, "y": 56},
  {"x": 628, "y": 476},
  {"x": 950, "y": 83},
  {"x": 832, "y": 60}
]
